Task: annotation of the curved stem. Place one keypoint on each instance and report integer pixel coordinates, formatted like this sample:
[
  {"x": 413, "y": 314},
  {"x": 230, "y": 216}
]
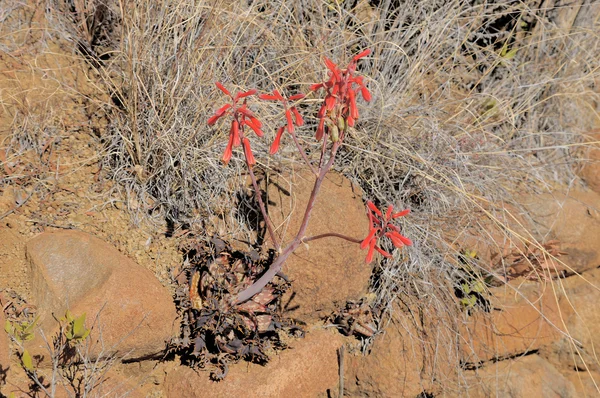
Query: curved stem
[{"x": 334, "y": 235}]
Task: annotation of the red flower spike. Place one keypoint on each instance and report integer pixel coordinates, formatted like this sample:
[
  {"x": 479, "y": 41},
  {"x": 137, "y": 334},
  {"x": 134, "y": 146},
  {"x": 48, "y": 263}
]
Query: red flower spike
[
  {"x": 218, "y": 114},
  {"x": 235, "y": 132},
  {"x": 278, "y": 96},
  {"x": 275, "y": 144},
  {"x": 253, "y": 126},
  {"x": 362, "y": 54},
  {"x": 222, "y": 88},
  {"x": 381, "y": 227},
  {"x": 290, "y": 123},
  {"x": 298, "y": 117},
  {"x": 296, "y": 97},
  {"x": 249, "y": 155}
]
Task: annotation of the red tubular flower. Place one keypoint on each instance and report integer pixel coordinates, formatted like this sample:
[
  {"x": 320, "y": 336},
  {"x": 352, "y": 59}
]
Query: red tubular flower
[
  {"x": 368, "y": 239},
  {"x": 235, "y": 132},
  {"x": 340, "y": 97},
  {"x": 290, "y": 122},
  {"x": 352, "y": 104},
  {"x": 320, "y": 129},
  {"x": 380, "y": 227},
  {"x": 299, "y": 121},
  {"x": 250, "y": 123},
  {"x": 222, "y": 88},
  {"x": 275, "y": 144},
  {"x": 363, "y": 53},
  {"x": 317, "y": 86},
  {"x": 244, "y": 94},
  {"x": 218, "y": 114},
  {"x": 400, "y": 214},
  {"x": 370, "y": 252},
  {"x": 248, "y": 152},
  {"x": 228, "y": 151}
]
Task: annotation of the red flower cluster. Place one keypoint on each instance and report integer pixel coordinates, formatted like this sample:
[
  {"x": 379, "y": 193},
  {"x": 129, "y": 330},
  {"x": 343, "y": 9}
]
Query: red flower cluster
[
  {"x": 339, "y": 108},
  {"x": 289, "y": 111},
  {"x": 241, "y": 117},
  {"x": 382, "y": 227}
]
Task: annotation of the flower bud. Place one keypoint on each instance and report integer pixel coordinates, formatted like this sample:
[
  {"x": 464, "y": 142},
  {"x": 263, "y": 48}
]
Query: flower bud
[
  {"x": 341, "y": 123},
  {"x": 334, "y": 133}
]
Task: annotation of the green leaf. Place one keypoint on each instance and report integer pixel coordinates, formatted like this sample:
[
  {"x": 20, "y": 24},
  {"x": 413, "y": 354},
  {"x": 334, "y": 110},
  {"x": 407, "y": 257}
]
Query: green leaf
[
  {"x": 465, "y": 288},
  {"x": 28, "y": 327},
  {"x": 510, "y": 54},
  {"x": 69, "y": 316},
  {"x": 8, "y": 327},
  {"x": 79, "y": 327},
  {"x": 468, "y": 301},
  {"x": 478, "y": 287},
  {"x": 27, "y": 361}
]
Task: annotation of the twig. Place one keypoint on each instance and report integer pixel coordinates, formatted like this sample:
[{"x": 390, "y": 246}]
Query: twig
[
  {"x": 341, "y": 352},
  {"x": 9, "y": 212}
]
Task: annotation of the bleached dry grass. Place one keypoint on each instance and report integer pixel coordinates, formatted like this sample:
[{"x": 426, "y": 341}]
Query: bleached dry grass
[{"x": 474, "y": 104}]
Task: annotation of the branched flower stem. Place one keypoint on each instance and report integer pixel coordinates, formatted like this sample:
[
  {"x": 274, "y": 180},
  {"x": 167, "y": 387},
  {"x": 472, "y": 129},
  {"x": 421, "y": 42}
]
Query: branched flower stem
[{"x": 276, "y": 266}]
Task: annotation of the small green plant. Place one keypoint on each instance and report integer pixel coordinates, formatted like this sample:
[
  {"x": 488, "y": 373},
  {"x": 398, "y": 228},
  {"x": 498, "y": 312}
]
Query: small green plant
[
  {"x": 472, "y": 285},
  {"x": 20, "y": 331},
  {"x": 71, "y": 366},
  {"x": 75, "y": 330}
]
